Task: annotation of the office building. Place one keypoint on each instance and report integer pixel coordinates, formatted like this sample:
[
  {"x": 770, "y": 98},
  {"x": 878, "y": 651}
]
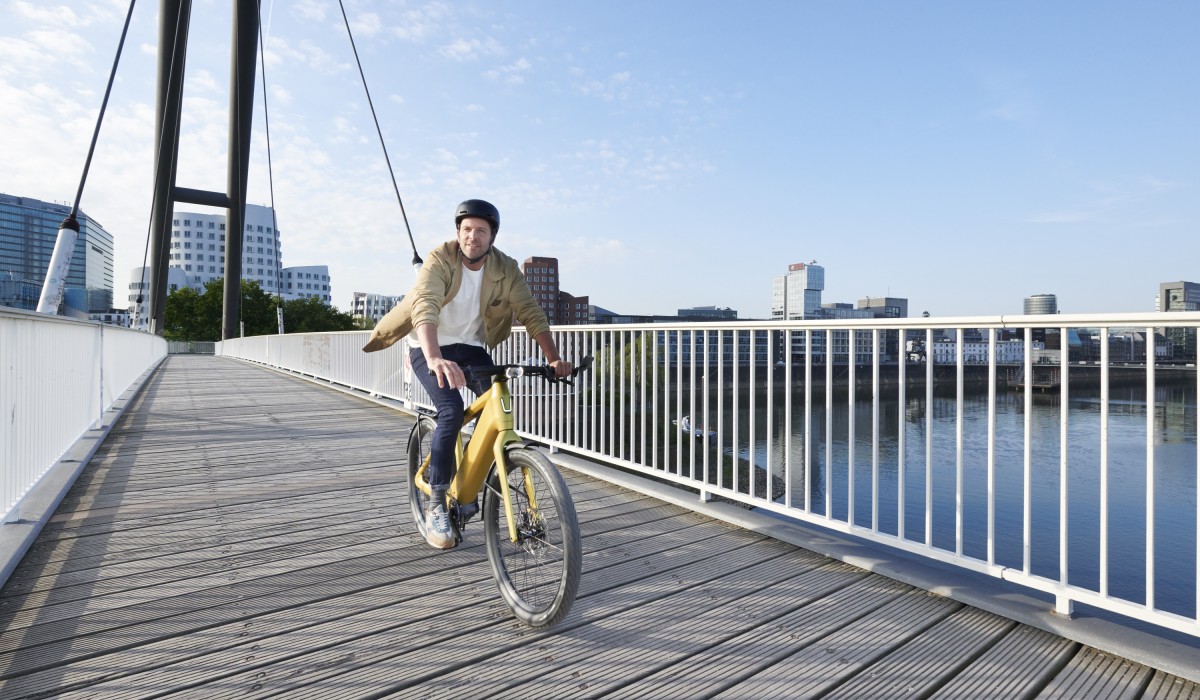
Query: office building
[
  {"x": 541, "y": 274},
  {"x": 1179, "y": 296},
  {"x": 562, "y": 308},
  {"x": 139, "y": 293},
  {"x": 307, "y": 281},
  {"x": 573, "y": 310},
  {"x": 708, "y": 313},
  {"x": 1041, "y": 304},
  {"x": 198, "y": 248},
  {"x": 797, "y": 295},
  {"x": 885, "y": 307},
  {"x": 28, "y": 232},
  {"x": 198, "y": 251},
  {"x": 372, "y": 306}
]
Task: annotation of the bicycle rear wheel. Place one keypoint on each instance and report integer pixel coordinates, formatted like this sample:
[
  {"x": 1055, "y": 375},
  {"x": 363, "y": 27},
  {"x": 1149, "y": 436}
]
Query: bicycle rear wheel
[
  {"x": 419, "y": 441},
  {"x": 538, "y": 575}
]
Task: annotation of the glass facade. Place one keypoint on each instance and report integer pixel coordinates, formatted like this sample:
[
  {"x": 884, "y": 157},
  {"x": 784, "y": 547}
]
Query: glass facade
[
  {"x": 28, "y": 232},
  {"x": 797, "y": 295}
]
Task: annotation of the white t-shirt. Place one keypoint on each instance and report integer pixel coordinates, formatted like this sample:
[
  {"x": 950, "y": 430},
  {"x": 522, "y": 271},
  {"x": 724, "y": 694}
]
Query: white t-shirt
[{"x": 461, "y": 321}]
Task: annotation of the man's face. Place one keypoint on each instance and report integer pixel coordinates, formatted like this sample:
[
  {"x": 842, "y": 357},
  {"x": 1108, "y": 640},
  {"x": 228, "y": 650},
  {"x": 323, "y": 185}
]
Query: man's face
[{"x": 474, "y": 236}]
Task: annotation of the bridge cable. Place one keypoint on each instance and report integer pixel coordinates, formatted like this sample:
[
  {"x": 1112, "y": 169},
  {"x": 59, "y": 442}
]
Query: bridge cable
[
  {"x": 416, "y": 261},
  {"x": 103, "y": 106},
  {"x": 262, "y": 49}
]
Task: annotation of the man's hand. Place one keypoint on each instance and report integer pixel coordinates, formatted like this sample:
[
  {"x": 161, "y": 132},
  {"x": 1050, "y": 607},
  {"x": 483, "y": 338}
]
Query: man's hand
[
  {"x": 448, "y": 373},
  {"x": 562, "y": 368}
]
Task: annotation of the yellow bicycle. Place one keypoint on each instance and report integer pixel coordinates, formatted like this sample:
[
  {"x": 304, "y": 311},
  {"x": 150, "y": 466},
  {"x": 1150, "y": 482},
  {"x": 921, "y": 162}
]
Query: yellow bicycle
[{"x": 529, "y": 522}]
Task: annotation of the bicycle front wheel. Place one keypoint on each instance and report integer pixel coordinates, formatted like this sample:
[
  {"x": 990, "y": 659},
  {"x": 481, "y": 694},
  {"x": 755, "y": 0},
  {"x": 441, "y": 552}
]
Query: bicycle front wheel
[
  {"x": 419, "y": 442},
  {"x": 538, "y": 575}
]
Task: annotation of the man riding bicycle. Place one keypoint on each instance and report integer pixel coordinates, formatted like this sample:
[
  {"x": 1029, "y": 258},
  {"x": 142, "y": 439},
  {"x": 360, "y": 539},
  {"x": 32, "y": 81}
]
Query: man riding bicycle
[{"x": 461, "y": 306}]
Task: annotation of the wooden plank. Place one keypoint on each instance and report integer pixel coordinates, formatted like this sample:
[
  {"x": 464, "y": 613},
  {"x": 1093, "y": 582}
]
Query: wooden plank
[
  {"x": 728, "y": 662},
  {"x": 925, "y": 663},
  {"x": 1037, "y": 657},
  {"x": 1164, "y": 686},
  {"x": 815, "y": 669},
  {"x": 1094, "y": 674}
]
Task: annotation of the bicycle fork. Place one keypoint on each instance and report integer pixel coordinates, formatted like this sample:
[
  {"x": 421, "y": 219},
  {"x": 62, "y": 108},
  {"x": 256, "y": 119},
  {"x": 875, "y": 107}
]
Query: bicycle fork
[{"x": 506, "y": 493}]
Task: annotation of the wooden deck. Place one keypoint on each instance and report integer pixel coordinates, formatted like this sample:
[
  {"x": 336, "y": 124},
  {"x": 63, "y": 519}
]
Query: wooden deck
[{"x": 242, "y": 534}]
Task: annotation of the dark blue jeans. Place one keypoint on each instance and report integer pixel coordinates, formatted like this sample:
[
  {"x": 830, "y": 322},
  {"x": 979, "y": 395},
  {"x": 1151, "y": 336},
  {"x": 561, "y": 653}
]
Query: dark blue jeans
[{"x": 449, "y": 405}]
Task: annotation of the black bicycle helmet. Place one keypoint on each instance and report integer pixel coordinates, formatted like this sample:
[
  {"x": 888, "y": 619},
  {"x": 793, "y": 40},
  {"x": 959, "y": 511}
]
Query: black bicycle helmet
[{"x": 480, "y": 210}]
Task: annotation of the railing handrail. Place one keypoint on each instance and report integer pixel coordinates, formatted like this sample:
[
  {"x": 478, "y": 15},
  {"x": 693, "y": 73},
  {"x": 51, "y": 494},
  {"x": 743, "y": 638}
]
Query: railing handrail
[{"x": 59, "y": 377}]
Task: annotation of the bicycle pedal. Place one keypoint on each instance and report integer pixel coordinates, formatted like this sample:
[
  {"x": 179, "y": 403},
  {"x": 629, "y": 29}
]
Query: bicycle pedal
[{"x": 466, "y": 511}]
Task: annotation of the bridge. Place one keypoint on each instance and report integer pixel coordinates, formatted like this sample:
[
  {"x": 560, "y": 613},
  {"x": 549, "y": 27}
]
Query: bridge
[{"x": 236, "y": 530}]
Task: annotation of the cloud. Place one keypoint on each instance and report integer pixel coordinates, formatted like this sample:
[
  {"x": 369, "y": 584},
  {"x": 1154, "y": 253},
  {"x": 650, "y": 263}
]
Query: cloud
[
  {"x": 471, "y": 49},
  {"x": 303, "y": 53},
  {"x": 366, "y": 24},
  {"x": 56, "y": 15},
  {"x": 310, "y": 10},
  {"x": 203, "y": 81},
  {"x": 280, "y": 95},
  {"x": 513, "y": 73},
  {"x": 616, "y": 87},
  {"x": 416, "y": 25}
]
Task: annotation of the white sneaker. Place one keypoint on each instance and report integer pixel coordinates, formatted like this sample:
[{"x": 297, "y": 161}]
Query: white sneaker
[{"x": 437, "y": 527}]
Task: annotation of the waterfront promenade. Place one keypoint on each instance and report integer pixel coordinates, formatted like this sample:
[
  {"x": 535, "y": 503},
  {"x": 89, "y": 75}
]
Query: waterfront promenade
[{"x": 243, "y": 533}]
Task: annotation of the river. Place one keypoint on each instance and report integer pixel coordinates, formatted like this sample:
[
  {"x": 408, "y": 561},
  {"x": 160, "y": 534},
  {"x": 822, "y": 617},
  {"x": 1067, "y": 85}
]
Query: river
[{"x": 1175, "y": 458}]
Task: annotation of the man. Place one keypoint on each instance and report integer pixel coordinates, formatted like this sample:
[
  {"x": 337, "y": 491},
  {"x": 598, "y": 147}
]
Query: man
[{"x": 461, "y": 306}]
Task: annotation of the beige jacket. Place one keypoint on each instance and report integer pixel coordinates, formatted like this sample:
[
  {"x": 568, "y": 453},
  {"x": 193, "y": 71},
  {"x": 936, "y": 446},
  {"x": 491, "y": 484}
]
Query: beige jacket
[{"x": 503, "y": 293}]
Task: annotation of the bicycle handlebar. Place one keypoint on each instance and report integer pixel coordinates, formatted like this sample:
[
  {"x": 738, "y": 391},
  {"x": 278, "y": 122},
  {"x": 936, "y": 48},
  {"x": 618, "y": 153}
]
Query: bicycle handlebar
[{"x": 512, "y": 371}]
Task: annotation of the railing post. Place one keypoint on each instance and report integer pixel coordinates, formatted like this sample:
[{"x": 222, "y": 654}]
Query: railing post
[{"x": 1064, "y": 605}]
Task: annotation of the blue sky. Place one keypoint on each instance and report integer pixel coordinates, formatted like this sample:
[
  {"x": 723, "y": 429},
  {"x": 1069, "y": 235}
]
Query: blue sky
[{"x": 963, "y": 155}]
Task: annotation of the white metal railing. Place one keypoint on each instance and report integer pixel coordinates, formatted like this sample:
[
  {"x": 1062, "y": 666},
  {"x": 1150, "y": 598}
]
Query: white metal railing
[
  {"x": 57, "y": 378},
  {"x": 1035, "y": 472}
]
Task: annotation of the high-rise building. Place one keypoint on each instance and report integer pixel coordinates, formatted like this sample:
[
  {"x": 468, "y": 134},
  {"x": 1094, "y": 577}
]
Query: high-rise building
[
  {"x": 562, "y": 309},
  {"x": 1041, "y": 304},
  {"x": 541, "y": 274},
  {"x": 373, "y": 306},
  {"x": 198, "y": 248},
  {"x": 28, "y": 232},
  {"x": 1179, "y": 296},
  {"x": 797, "y": 295}
]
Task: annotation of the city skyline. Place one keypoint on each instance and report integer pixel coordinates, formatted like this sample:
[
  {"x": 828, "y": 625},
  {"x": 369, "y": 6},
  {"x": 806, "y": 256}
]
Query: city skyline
[{"x": 959, "y": 156}]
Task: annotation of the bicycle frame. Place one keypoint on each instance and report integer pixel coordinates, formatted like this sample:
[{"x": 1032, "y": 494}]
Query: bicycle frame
[{"x": 494, "y": 432}]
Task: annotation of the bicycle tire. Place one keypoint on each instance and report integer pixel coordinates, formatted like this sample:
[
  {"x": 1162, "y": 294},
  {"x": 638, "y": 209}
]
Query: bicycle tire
[
  {"x": 538, "y": 576},
  {"x": 419, "y": 441}
]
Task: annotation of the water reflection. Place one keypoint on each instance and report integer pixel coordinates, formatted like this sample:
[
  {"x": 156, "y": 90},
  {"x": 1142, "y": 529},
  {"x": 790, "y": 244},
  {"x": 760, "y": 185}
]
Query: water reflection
[{"x": 931, "y": 469}]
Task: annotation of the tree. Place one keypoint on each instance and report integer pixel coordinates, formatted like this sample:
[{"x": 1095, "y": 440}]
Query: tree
[
  {"x": 191, "y": 315},
  {"x": 311, "y": 315}
]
